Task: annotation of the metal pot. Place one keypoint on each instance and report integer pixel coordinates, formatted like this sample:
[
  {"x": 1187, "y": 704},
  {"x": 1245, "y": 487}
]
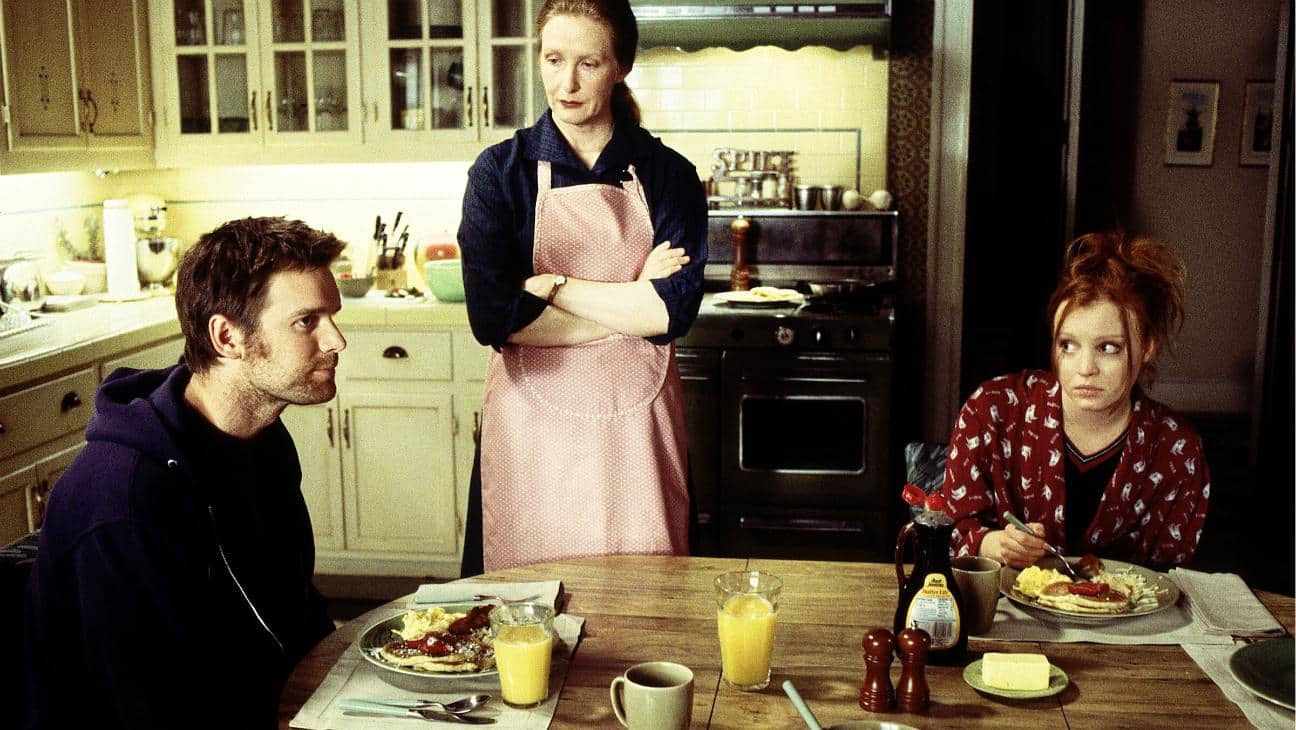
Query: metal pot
[{"x": 21, "y": 283}]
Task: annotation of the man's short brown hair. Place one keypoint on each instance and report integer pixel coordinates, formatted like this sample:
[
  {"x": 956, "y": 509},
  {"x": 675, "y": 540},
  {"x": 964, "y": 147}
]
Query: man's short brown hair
[{"x": 227, "y": 272}]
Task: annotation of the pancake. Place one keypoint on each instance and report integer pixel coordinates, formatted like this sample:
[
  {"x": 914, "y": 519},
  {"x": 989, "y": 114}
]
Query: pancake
[{"x": 1062, "y": 596}]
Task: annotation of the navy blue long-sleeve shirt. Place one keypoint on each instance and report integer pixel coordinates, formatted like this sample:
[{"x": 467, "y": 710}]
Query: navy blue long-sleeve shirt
[{"x": 497, "y": 231}]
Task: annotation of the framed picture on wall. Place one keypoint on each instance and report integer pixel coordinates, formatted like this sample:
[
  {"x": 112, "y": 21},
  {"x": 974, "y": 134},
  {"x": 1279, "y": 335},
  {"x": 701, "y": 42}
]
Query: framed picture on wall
[
  {"x": 1190, "y": 122},
  {"x": 1257, "y": 123}
]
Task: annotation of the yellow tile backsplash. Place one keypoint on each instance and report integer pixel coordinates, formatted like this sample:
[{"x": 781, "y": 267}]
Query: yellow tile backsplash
[{"x": 828, "y": 106}]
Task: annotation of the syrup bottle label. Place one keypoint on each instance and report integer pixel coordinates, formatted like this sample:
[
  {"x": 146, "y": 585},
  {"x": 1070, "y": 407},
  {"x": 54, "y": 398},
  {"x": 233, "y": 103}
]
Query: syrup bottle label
[{"x": 934, "y": 610}]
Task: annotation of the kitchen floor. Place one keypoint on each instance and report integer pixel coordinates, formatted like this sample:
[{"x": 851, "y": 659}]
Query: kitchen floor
[{"x": 1228, "y": 528}]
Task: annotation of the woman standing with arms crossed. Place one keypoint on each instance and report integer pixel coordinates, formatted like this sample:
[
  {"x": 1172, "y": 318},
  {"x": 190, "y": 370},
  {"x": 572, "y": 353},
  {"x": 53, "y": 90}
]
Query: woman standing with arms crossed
[
  {"x": 583, "y": 241},
  {"x": 1082, "y": 454}
]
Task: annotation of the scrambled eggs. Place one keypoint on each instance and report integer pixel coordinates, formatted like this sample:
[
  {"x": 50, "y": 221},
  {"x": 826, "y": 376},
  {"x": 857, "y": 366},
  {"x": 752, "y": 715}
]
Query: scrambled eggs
[
  {"x": 419, "y": 623},
  {"x": 1033, "y": 579}
]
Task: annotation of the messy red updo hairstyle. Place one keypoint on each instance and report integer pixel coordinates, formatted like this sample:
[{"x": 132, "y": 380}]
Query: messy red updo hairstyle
[{"x": 1141, "y": 276}]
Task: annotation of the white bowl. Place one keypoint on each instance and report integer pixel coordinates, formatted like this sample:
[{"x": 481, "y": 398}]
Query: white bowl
[{"x": 65, "y": 282}]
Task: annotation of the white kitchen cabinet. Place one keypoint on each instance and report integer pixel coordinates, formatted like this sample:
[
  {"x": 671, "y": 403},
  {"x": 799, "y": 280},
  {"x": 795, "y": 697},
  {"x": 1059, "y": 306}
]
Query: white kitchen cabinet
[
  {"x": 48, "y": 470},
  {"x": 316, "y": 432},
  {"x": 14, "y": 488},
  {"x": 456, "y": 71},
  {"x": 76, "y": 83},
  {"x": 385, "y": 465},
  {"x": 255, "y": 80},
  {"x": 153, "y": 357}
]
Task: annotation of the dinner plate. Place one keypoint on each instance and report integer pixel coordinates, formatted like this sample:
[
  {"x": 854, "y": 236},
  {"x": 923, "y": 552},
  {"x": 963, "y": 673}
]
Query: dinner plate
[
  {"x": 1057, "y": 682},
  {"x": 1265, "y": 668},
  {"x": 745, "y": 299},
  {"x": 382, "y": 632},
  {"x": 1165, "y": 590}
]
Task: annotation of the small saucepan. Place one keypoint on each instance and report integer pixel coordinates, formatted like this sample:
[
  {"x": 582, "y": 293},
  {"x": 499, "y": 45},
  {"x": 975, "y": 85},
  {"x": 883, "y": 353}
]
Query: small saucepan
[{"x": 839, "y": 289}]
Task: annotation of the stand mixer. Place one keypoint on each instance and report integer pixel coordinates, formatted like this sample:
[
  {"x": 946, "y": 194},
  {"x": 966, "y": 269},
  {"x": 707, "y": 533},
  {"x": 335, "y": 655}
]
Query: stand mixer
[{"x": 157, "y": 256}]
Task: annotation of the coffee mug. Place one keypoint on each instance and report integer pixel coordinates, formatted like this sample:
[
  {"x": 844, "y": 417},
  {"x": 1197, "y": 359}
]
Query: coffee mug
[
  {"x": 654, "y": 696},
  {"x": 978, "y": 582}
]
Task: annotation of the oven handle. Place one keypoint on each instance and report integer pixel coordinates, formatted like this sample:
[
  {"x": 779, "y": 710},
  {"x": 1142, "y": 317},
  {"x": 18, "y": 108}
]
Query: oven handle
[
  {"x": 801, "y": 525},
  {"x": 851, "y": 381}
]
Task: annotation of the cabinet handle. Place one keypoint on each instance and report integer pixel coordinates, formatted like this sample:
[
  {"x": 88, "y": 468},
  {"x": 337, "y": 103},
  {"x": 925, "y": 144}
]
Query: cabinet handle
[
  {"x": 253, "y": 113},
  {"x": 2, "y": 429},
  {"x": 269, "y": 123},
  {"x": 476, "y": 428},
  {"x": 375, "y": 106},
  {"x": 468, "y": 105},
  {"x": 94, "y": 111},
  {"x": 330, "y": 427},
  {"x": 40, "y": 495},
  {"x": 395, "y": 352},
  {"x": 70, "y": 400},
  {"x": 486, "y": 119},
  {"x": 346, "y": 427}
]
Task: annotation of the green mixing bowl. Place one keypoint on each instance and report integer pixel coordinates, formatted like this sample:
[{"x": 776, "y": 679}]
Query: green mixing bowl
[{"x": 445, "y": 279}]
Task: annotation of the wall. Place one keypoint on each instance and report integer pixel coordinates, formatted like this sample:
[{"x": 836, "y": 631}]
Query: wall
[
  {"x": 1213, "y": 215},
  {"x": 32, "y": 206}
]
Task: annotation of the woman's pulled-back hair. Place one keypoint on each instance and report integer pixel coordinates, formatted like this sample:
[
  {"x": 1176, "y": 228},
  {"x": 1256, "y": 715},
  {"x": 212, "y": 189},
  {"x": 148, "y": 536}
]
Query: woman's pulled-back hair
[
  {"x": 228, "y": 271},
  {"x": 620, "y": 21},
  {"x": 1143, "y": 277}
]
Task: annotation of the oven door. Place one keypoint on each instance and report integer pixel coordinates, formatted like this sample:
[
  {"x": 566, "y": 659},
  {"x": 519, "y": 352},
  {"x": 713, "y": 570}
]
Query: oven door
[{"x": 806, "y": 431}]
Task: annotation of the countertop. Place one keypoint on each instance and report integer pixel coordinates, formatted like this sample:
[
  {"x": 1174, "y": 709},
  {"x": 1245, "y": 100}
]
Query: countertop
[{"x": 62, "y": 342}]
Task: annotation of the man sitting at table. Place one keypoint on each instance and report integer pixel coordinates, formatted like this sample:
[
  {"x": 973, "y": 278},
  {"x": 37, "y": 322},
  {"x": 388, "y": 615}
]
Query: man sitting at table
[{"x": 173, "y": 584}]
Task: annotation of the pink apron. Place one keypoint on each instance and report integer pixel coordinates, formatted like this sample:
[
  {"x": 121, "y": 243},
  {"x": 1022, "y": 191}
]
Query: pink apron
[{"x": 583, "y": 447}]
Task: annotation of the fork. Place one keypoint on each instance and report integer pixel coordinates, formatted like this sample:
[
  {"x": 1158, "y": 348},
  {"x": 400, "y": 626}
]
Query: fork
[
  {"x": 1066, "y": 567},
  {"x": 373, "y": 708},
  {"x": 480, "y": 597}
]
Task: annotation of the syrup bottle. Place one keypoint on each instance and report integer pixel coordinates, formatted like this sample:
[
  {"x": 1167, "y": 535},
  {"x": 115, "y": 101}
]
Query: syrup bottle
[{"x": 929, "y": 597}]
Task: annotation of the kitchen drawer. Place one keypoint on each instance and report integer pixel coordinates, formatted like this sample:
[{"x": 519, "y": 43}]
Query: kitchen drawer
[
  {"x": 470, "y": 357},
  {"x": 42, "y": 413},
  {"x": 161, "y": 355},
  {"x": 396, "y": 355}
]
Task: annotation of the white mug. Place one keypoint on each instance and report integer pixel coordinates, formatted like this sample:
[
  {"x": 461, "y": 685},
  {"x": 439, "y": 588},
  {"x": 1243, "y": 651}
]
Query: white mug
[{"x": 654, "y": 696}]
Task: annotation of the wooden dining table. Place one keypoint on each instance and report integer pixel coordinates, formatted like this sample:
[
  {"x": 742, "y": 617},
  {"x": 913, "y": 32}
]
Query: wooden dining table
[{"x": 645, "y": 608}]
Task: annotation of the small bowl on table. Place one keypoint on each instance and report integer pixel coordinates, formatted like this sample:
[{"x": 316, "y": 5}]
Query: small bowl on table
[
  {"x": 354, "y": 286},
  {"x": 445, "y": 279},
  {"x": 65, "y": 282}
]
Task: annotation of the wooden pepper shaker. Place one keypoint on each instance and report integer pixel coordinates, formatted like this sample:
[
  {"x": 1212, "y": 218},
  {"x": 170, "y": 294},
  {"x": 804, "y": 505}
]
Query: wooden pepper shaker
[
  {"x": 876, "y": 694},
  {"x": 912, "y": 694},
  {"x": 740, "y": 275}
]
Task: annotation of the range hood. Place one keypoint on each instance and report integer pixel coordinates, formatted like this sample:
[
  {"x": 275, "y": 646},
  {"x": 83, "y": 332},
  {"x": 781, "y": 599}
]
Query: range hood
[{"x": 696, "y": 24}]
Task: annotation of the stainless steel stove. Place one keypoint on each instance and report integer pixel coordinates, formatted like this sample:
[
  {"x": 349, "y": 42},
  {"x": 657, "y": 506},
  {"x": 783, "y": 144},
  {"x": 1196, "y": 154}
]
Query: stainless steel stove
[{"x": 789, "y": 406}]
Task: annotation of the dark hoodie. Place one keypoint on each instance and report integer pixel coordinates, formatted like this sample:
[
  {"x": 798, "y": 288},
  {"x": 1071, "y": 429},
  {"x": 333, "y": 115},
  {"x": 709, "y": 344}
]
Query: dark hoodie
[{"x": 173, "y": 581}]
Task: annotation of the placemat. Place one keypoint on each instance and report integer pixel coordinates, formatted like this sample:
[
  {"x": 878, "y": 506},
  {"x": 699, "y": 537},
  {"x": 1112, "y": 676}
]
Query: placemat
[
  {"x": 354, "y": 678},
  {"x": 1214, "y": 661}
]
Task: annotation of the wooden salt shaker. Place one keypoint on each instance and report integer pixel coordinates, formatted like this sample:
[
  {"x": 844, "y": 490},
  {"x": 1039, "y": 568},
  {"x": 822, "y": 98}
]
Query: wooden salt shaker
[
  {"x": 912, "y": 694},
  {"x": 876, "y": 694},
  {"x": 740, "y": 275}
]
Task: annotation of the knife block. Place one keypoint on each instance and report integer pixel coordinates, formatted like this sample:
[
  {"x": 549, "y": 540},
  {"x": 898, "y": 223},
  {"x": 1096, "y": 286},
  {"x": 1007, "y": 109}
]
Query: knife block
[{"x": 388, "y": 279}]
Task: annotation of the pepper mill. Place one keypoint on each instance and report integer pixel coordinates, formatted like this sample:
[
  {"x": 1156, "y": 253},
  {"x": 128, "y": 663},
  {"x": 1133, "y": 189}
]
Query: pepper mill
[
  {"x": 876, "y": 694},
  {"x": 740, "y": 275},
  {"x": 912, "y": 694}
]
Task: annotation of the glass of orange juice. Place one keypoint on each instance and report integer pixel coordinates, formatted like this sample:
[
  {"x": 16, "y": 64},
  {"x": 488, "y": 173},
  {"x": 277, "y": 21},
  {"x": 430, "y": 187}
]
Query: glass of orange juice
[
  {"x": 746, "y": 612},
  {"x": 523, "y": 636}
]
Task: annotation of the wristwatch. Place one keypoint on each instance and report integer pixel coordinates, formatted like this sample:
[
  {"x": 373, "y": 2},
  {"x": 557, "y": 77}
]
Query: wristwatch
[{"x": 558, "y": 281}]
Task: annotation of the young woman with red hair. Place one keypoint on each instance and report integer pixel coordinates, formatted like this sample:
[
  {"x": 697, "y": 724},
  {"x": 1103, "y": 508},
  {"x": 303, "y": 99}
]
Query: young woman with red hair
[{"x": 1081, "y": 453}]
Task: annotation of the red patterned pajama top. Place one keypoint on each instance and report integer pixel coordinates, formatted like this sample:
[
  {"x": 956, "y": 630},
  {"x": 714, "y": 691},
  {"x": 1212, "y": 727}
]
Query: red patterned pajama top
[{"x": 1007, "y": 453}]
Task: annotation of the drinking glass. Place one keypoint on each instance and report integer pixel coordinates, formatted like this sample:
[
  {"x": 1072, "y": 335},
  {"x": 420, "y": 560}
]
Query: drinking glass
[
  {"x": 746, "y": 612},
  {"x": 523, "y": 634}
]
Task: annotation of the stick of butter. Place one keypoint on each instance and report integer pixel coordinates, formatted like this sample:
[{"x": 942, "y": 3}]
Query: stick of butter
[{"x": 1015, "y": 671}]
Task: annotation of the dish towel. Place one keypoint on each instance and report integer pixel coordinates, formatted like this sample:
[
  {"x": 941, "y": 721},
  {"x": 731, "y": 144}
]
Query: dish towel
[
  {"x": 354, "y": 678},
  {"x": 1214, "y": 663},
  {"x": 432, "y": 594},
  {"x": 1223, "y": 605}
]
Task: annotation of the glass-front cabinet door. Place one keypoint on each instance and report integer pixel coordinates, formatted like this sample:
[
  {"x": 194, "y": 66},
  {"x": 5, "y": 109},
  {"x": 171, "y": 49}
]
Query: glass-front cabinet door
[
  {"x": 512, "y": 93},
  {"x": 421, "y": 61},
  {"x": 252, "y": 73}
]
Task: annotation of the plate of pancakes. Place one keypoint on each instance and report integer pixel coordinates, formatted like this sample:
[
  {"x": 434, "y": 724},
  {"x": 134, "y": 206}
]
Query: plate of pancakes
[
  {"x": 418, "y": 648},
  {"x": 1117, "y": 590}
]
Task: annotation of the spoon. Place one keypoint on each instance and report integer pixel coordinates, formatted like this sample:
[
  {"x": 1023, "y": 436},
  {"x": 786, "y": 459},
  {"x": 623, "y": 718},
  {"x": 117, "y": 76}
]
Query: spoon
[
  {"x": 1066, "y": 567},
  {"x": 801, "y": 707},
  {"x": 428, "y": 711},
  {"x": 467, "y": 704}
]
